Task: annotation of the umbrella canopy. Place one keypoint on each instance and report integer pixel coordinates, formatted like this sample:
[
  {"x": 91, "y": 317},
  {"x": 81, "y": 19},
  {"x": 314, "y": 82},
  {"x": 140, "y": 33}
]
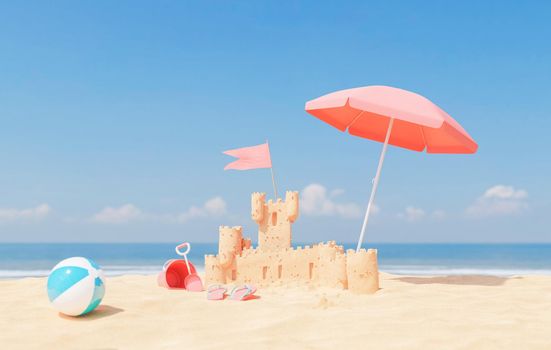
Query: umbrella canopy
[
  {"x": 418, "y": 124},
  {"x": 393, "y": 116}
]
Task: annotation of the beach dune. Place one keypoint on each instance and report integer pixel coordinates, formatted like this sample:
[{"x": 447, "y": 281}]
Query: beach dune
[{"x": 455, "y": 312}]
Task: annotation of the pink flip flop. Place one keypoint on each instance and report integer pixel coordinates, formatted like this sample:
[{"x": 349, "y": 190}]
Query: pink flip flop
[
  {"x": 216, "y": 292},
  {"x": 242, "y": 293}
]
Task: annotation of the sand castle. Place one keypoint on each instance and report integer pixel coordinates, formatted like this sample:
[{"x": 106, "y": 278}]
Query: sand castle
[{"x": 276, "y": 261}]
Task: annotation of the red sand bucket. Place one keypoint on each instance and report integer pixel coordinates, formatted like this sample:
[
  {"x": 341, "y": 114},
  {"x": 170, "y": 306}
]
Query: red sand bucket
[
  {"x": 174, "y": 274},
  {"x": 180, "y": 274}
]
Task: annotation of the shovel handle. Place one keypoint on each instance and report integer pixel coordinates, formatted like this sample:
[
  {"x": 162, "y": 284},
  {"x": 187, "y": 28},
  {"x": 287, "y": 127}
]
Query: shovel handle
[
  {"x": 180, "y": 246},
  {"x": 184, "y": 254}
]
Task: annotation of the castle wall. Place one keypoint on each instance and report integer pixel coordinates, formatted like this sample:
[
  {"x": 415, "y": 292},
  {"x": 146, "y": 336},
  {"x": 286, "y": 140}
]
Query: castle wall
[
  {"x": 303, "y": 265},
  {"x": 322, "y": 264}
]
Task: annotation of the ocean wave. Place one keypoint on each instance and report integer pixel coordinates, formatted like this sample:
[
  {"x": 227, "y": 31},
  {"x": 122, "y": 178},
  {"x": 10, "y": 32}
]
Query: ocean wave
[
  {"x": 23, "y": 273},
  {"x": 109, "y": 270},
  {"x": 412, "y": 270},
  {"x": 445, "y": 271}
]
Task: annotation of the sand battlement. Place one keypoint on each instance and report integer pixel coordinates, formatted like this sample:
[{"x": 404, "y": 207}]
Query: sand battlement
[{"x": 276, "y": 261}]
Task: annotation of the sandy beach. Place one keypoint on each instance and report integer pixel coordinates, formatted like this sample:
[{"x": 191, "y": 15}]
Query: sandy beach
[{"x": 470, "y": 312}]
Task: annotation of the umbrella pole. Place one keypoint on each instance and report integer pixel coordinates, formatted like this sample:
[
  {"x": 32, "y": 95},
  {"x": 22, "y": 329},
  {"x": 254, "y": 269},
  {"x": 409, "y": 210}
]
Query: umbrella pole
[{"x": 375, "y": 184}]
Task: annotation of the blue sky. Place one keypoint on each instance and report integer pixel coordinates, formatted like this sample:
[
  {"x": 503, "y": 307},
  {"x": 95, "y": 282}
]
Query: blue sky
[{"x": 114, "y": 116}]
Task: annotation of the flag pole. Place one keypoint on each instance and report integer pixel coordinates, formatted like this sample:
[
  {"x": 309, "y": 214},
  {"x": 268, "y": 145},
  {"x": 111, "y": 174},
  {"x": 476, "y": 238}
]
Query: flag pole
[{"x": 272, "y": 171}]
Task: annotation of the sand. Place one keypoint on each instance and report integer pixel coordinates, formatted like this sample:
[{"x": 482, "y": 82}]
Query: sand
[{"x": 470, "y": 312}]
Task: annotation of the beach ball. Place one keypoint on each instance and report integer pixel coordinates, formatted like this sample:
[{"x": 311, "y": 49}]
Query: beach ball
[{"x": 76, "y": 286}]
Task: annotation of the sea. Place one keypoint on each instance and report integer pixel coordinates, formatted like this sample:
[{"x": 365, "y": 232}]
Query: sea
[{"x": 20, "y": 260}]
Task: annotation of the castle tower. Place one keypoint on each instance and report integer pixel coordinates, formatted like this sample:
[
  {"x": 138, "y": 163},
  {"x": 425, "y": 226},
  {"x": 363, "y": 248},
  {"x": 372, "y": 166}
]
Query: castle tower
[
  {"x": 230, "y": 245},
  {"x": 274, "y": 220},
  {"x": 363, "y": 271}
]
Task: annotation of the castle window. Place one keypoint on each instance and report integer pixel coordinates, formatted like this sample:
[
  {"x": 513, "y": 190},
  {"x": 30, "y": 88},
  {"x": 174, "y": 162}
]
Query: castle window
[
  {"x": 274, "y": 218},
  {"x": 310, "y": 270},
  {"x": 264, "y": 272},
  {"x": 279, "y": 270}
]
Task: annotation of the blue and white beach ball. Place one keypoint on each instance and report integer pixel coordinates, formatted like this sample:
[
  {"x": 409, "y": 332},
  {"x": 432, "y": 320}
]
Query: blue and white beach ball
[{"x": 76, "y": 286}]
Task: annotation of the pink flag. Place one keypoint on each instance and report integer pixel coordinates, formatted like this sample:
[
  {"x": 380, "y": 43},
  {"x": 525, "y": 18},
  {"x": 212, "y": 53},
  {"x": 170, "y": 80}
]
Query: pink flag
[{"x": 254, "y": 157}]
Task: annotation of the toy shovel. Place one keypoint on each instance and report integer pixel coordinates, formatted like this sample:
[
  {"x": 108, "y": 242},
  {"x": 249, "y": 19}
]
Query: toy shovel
[{"x": 192, "y": 282}]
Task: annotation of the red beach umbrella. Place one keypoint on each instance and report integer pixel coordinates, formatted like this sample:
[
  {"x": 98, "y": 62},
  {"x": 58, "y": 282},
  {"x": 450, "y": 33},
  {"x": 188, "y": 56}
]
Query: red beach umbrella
[{"x": 392, "y": 116}]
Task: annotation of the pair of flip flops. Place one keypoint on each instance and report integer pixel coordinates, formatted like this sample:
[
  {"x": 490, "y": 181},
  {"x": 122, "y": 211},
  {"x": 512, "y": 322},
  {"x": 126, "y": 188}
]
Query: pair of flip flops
[{"x": 238, "y": 293}]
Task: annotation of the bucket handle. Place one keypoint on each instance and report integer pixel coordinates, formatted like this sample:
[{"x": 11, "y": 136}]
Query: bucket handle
[{"x": 168, "y": 262}]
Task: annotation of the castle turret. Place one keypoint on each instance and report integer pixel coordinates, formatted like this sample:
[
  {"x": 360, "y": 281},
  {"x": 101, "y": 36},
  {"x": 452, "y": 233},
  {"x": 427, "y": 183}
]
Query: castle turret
[
  {"x": 291, "y": 201},
  {"x": 362, "y": 271},
  {"x": 214, "y": 274},
  {"x": 332, "y": 265},
  {"x": 229, "y": 244},
  {"x": 274, "y": 220},
  {"x": 258, "y": 201}
]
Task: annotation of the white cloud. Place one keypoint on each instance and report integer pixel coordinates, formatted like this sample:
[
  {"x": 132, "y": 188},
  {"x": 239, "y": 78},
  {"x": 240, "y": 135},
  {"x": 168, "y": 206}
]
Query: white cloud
[
  {"x": 213, "y": 207},
  {"x": 439, "y": 214},
  {"x": 505, "y": 192},
  {"x": 412, "y": 214},
  {"x": 11, "y": 214},
  {"x": 499, "y": 200},
  {"x": 125, "y": 213},
  {"x": 315, "y": 201},
  {"x": 336, "y": 192}
]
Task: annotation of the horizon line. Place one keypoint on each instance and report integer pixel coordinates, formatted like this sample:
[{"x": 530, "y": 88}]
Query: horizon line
[{"x": 298, "y": 243}]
